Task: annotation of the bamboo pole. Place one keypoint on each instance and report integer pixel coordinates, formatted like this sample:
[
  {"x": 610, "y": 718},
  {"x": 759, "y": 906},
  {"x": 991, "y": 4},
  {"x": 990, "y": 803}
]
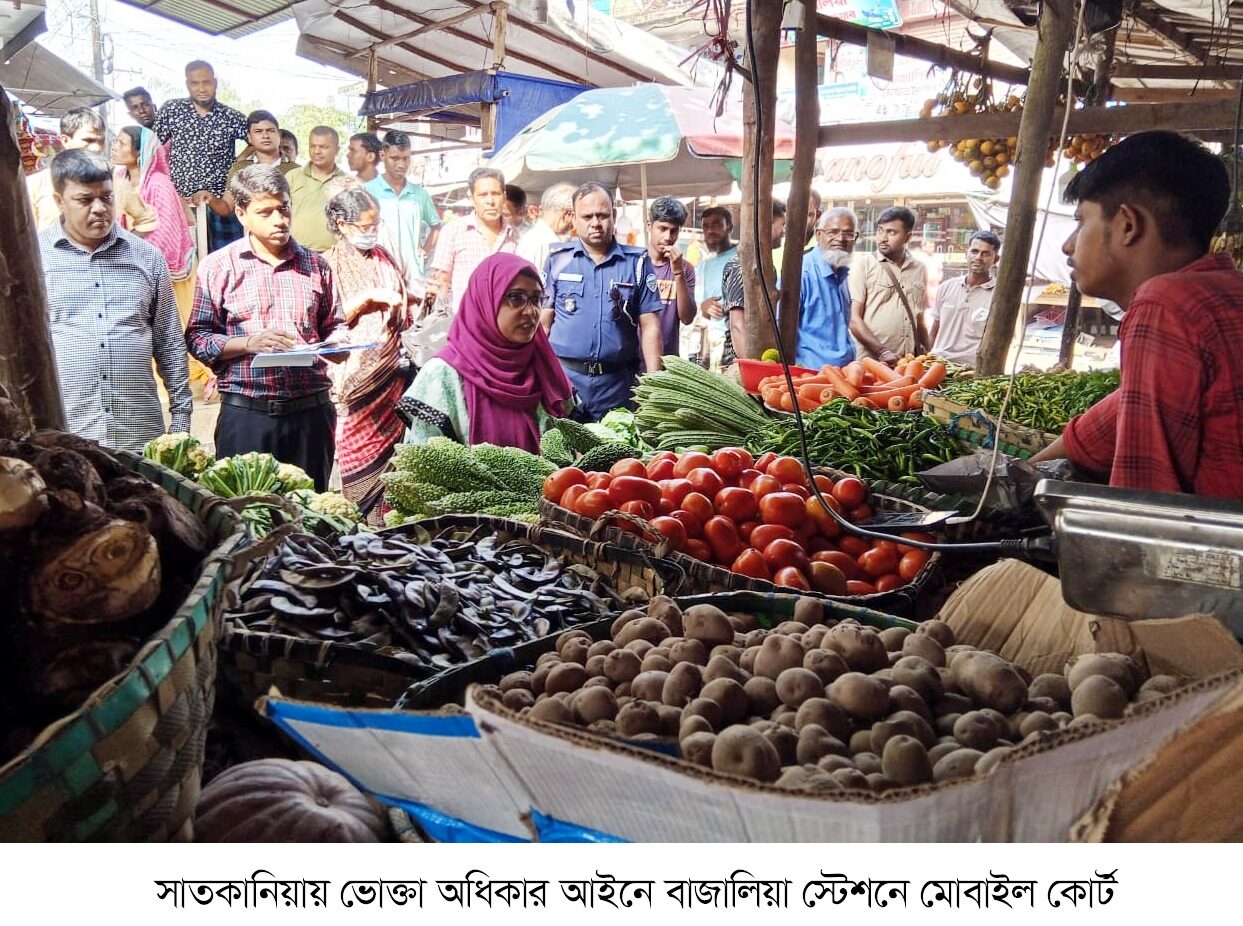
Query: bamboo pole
[
  {"x": 806, "y": 122},
  {"x": 757, "y": 191},
  {"x": 27, "y": 364},
  {"x": 1055, "y": 32}
]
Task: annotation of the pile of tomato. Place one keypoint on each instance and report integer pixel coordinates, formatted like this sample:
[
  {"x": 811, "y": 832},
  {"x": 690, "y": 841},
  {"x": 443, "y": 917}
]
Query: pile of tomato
[{"x": 756, "y": 517}]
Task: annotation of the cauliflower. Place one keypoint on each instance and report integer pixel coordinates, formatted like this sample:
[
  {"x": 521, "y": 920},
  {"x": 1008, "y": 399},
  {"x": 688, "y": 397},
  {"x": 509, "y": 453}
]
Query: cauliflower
[
  {"x": 182, "y": 453},
  {"x": 395, "y": 518},
  {"x": 335, "y": 505},
  {"x": 292, "y": 478}
]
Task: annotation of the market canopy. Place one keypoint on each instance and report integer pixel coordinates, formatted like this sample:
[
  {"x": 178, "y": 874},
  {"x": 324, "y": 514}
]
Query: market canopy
[
  {"x": 48, "y": 84},
  {"x": 414, "y": 40},
  {"x": 234, "y": 18}
]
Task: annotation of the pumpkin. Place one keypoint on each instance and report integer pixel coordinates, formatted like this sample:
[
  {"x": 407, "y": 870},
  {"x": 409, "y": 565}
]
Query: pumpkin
[{"x": 280, "y": 800}]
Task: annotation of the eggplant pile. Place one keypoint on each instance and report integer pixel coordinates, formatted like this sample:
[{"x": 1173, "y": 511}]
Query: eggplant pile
[
  {"x": 433, "y": 605},
  {"x": 93, "y": 561}
]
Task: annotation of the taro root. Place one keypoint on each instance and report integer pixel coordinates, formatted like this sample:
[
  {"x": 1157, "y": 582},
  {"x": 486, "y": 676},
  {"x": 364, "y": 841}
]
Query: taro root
[
  {"x": 23, "y": 495},
  {"x": 64, "y": 680},
  {"x": 67, "y": 469},
  {"x": 741, "y": 750}
]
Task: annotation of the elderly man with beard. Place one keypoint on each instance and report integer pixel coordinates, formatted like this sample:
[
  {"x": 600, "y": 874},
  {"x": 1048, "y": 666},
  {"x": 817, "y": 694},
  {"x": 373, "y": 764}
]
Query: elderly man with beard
[{"x": 824, "y": 294}]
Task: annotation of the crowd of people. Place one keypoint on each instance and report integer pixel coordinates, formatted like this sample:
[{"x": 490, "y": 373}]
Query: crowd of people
[{"x": 185, "y": 258}]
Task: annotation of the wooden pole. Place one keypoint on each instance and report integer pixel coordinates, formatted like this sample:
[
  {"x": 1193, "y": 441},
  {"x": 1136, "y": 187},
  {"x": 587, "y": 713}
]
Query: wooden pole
[
  {"x": 757, "y": 175},
  {"x": 27, "y": 364},
  {"x": 373, "y": 80},
  {"x": 500, "y": 21},
  {"x": 806, "y": 123},
  {"x": 1055, "y": 33}
]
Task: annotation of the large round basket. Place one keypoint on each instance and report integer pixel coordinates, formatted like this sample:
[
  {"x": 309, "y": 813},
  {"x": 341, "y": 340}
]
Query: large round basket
[{"x": 127, "y": 765}]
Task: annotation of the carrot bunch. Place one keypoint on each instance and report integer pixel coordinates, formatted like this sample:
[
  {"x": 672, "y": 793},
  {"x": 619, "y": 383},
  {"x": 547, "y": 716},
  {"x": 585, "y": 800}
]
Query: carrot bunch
[{"x": 867, "y": 383}]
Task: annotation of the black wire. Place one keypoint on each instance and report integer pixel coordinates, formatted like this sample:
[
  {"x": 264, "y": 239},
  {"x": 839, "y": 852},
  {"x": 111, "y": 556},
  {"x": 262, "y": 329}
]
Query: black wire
[{"x": 804, "y": 453}]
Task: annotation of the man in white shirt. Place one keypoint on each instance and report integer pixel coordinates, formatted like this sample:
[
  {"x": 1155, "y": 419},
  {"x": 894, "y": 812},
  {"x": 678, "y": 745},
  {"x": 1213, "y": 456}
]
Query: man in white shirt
[
  {"x": 963, "y": 303},
  {"x": 556, "y": 220}
]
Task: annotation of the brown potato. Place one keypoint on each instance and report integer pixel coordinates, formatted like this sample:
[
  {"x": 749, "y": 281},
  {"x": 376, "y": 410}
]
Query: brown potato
[
  {"x": 990, "y": 681},
  {"x": 833, "y": 762},
  {"x": 880, "y": 782},
  {"x": 814, "y": 741},
  {"x": 516, "y": 680},
  {"x": 648, "y": 685},
  {"x": 827, "y": 664},
  {"x": 807, "y": 778},
  {"x": 785, "y": 741},
  {"x": 796, "y": 685},
  {"x": 905, "y": 760},
  {"x": 824, "y": 712},
  {"x": 623, "y": 619},
  {"x": 708, "y": 624},
  {"x": 706, "y": 708},
  {"x": 645, "y": 628},
  {"x": 638, "y": 717},
  {"x": 692, "y": 651},
  {"x": 670, "y": 719},
  {"x": 601, "y": 648},
  {"x": 988, "y": 762},
  {"x": 917, "y": 673},
  {"x": 977, "y": 730},
  {"x": 784, "y": 716},
  {"x": 595, "y": 666},
  {"x": 697, "y": 748},
  {"x": 762, "y": 692},
  {"x": 722, "y": 667},
  {"x": 859, "y": 646},
  {"x": 1037, "y": 721},
  {"x": 592, "y": 704},
  {"x": 732, "y": 653},
  {"x": 813, "y": 637},
  {"x": 657, "y": 662},
  {"x": 940, "y": 751},
  {"x": 693, "y": 723},
  {"x": 551, "y": 710},
  {"x": 518, "y": 698},
  {"x": 909, "y": 723},
  {"x": 735, "y": 705},
  {"x": 892, "y": 637},
  {"x": 598, "y": 681},
  {"x": 663, "y": 609},
  {"x": 809, "y": 611},
  {"x": 951, "y": 703},
  {"x": 944, "y": 725},
  {"x": 1098, "y": 695},
  {"x": 861, "y": 696},
  {"x": 547, "y": 659},
  {"x": 741, "y": 750},
  {"x": 791, "y": 628},
  {"x": 777, "y": 654},
  {"x": 861, "y": 741},
  {"x": 939, "y": 631},
  {"x": 851, "y": 779},
  {"x": 958, "y": 764},
  {"x": 640, "y": 647},
  {"x": 575, "y": 650},
  {"x": 903, "y": 698},
  {"x": 569, "y": 635},
  {"x": 744, "y": 622},
  {"x": 569, "y": 676},
  {"x": 867, "y": 762},
  {"x": 1121, "y": 669},
  {"x": 925, "y": 647},
  {"x": 681, "y": 685}
]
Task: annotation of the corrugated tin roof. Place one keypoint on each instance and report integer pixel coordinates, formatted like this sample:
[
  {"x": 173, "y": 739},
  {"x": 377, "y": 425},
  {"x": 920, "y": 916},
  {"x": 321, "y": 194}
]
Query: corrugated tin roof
[
  {"x": 232, "y": 18},
  {"x": 48, "y": 84}
]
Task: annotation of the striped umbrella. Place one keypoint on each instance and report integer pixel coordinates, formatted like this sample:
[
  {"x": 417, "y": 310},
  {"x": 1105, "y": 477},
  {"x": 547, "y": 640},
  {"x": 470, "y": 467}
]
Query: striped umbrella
[{"x": 647, "y": 140}]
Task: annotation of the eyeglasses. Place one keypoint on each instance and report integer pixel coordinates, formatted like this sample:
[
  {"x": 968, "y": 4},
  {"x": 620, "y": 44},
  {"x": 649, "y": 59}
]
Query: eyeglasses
[
  {"x": 369, "y": 229},
  {"x": 839, "y": 235},
  {"x": 521, "y": 298}
]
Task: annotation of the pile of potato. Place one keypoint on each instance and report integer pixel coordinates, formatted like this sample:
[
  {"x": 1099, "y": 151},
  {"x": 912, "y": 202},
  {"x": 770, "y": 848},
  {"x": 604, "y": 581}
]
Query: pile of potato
[{"x": 815, "y": 706}]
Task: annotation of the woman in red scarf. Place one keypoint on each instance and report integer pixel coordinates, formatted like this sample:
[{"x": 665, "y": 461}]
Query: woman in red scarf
[
  {"x": 368, "y": 383},
  {"x": 497, "y": 380}
]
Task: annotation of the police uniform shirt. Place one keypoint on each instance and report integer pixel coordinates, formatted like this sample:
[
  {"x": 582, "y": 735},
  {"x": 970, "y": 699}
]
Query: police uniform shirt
[{"x": 588, "y": 300}]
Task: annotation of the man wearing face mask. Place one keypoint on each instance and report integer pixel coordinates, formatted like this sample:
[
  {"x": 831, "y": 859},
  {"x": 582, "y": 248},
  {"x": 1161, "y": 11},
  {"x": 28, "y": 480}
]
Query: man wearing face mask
[
  {"x": 464, "y": 244},
  {"x": 111, "y": 310}
]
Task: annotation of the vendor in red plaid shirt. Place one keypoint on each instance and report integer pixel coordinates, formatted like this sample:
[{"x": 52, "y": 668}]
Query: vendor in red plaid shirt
[
  {"x": 1147, "y": 210},
  {"x": 262, "y": 294}
]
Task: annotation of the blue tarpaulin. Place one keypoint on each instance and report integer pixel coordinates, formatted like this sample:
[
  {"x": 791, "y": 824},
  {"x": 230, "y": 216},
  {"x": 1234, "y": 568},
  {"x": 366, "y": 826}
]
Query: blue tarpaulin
[{"x": 519, "y": 99}]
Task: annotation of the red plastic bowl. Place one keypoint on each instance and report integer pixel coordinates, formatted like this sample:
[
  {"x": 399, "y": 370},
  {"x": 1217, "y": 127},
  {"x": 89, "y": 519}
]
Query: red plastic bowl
[{"x": 752, "y": 371}]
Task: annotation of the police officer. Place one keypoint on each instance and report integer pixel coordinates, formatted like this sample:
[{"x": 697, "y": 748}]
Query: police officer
[{"x": 601, "y": 307}]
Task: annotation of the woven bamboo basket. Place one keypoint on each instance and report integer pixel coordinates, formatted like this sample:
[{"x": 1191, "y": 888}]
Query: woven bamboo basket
[
  {"x": 705, "y": 578},
  {"x": 977, "y": 427},
  {"x": 253, "y": 662},
  {"x": 127, "y": 765}
]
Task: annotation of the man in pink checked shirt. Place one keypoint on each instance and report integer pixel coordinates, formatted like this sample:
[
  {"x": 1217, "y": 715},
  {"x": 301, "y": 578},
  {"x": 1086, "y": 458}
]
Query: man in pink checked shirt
[{"x": 464, "y": 244}]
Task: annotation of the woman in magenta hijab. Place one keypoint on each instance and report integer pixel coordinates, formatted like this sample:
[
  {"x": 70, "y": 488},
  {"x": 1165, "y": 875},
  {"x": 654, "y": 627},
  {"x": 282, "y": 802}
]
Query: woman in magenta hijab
[{"x": 497, "y": 380}]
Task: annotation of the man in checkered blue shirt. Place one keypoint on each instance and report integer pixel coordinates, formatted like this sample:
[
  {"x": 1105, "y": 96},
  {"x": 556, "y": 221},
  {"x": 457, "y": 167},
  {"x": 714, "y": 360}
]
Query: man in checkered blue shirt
[{"x": 111, "y": 308}]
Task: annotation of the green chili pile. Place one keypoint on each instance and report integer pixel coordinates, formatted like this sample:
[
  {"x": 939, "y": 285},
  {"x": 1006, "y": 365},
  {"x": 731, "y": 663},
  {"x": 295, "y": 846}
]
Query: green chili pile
[
  {"x": 871, "y": 444},
  {"x": 1045, "y": 401}
]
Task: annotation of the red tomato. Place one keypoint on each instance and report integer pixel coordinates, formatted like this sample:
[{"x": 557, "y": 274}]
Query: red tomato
[
  {"x": 823, "y": 483},
  {"x": 572, "y": 495},
  {"x": 593, "y": 503},
  {"x": 782, "y": 553},
  {"x": 787, "y": 469},
  {"x": 820, "y": 544},
  {"x": 560, "y": 480},
  {"x": 748, "y": 461},
  {"x": 885, "y": 545},
  {"x": 747, "y": 477},
  {"x": 783, "y": 508},
  {"x": 664, "y": 455},
  {"x": 633, "y": 488},
  {"x": 640, "y": 509},
  {"x": 737, "y": 504},
  {"x": 860, "y": 514},
  {"x": 746, "y": 529},
  {"x": 659, "y": 469},
  {"x": 728, "y": 464},
  {"x": 914, "y": 535},
  {"x": 765, "y": 534},
  {"x": 665, "y": 507},
  {"x": 878, "y": 562},
  {"x": 854, "y": 587},
  {"x": 722, "y": 535},
  {"x": 850, "y": 492},
  {"x": 599, "y": 481},
  {"x": 699, "y": 505},
  {"x": 819, "y": 515},
  {"x": 628, "y": 467},
  {"x": 676, "y": 490},
  {"x": 673, "y": 529},
  {"x": 699, "y": 550},
  {"x": 706, "y": 480},
  {"x": 796, "y": 489},
  {"x": 889, "y": 582},
  {"x": 855, "y": 546},
  {"x": 911, "y": 564},
  {"x": 694, "y": 526},
  {"x": 763, "y": 485},
  {"x": 843, "y": 561},
  {"x": 762, "y": 463},
  {"x": 792, "y": 578},
  {"x": 690, "y": 461},
  {"x": 750, "y": 562}
]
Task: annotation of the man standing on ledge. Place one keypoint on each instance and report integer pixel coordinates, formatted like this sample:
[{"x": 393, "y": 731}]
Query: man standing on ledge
[
  {"x": 601, "y": 312},
  {"x": 1147, "y": 210},
  {"x": 887, "y": 292},
  {"x": 262, "y": 294},
  {"x": 202, "y": 135}
]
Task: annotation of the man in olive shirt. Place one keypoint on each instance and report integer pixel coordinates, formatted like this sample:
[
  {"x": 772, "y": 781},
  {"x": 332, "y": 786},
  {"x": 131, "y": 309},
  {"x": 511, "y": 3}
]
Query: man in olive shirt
[
  {"x": 306, "y": 190},
  {"x": 887, "y": 292},
  {"x": 263, "y": 135}
]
